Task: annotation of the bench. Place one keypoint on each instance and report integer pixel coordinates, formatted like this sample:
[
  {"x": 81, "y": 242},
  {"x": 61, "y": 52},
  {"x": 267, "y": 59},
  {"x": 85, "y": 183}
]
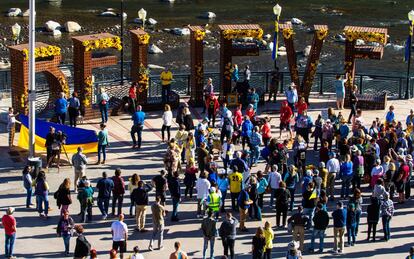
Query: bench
[{"x": 370, "y": 101}]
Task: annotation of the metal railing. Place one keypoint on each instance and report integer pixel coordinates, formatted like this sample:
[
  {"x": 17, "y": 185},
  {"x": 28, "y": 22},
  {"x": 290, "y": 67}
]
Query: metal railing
[{"x": 394, "y": 86}]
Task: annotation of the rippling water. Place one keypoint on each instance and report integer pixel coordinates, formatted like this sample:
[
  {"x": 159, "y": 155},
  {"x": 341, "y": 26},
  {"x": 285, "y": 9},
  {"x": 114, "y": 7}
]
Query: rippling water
[{"x": 384, "y": 13}]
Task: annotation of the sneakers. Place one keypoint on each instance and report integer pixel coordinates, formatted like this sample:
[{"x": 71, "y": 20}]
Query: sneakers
[{"x": 150, "y": 248}]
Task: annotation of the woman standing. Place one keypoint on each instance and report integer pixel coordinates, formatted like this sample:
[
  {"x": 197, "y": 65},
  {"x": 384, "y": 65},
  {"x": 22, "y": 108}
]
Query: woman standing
[
  {"x": 103, "y": 101},
  {"x": 42, "y": 193},
  {"x": 258, "y": 244},
  {"x": 291, "y": 179},
  {"x": 282, "y": 204},
  {"x": 353, "y": 100},
  {"x": 166, "y": 122},
  {"x": 190, "y": 178},
  {"x": 62, "y": 196},
  {"x": 261, "y": 189},
  {"x": 82, "y": 247},
  {"x": 190, "y": 147},
  {"x": 64, "y": 230},
  {"x": 27, "y": 183},
  {"x": 269, "y": 236},
  {"x": 74, "y": 106},
  {"x": 376, "y": 172},
  {"x": 188, "y": 119},
  {"x": 133, "y": 184},
  {"x": 387, "y": 211},
  {"x": 102, "y": 143},
  {"x": 266, "y": 131},
  {"x": 373, "y": 214},
  {"x": 357, "y": 201}
]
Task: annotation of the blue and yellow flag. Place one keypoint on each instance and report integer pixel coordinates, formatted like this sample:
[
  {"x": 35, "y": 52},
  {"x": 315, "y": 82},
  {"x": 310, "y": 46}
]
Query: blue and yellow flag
[{"x": 75, "y": 136}]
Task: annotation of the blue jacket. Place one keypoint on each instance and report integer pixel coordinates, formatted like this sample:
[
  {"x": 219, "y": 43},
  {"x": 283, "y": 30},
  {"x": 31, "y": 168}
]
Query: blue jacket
[
  {"x": 346, "y": 169},
  {"x": 138, "y": 118},
  {"x": 104, "y": 186},
  {"x": 339, "y": 218},
  {"x": 344, "y": 131},
  {"x": 243, "y": 197},
  {"x": 247, "y": 127},
  {"x": 61, "y": 106}
]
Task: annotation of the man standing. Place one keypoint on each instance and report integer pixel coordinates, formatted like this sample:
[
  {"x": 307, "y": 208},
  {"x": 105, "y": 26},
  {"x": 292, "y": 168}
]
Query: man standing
[
  {"x": 202, "y": 187},
  {"x": 9, "y": 224},
  {"x": 299, "y": 221},
  {"x": 50, "y": 139},
  {"x": 292, "y": 96},
  {"x": 104, "y": 187},
  {"x": 166, "y": 78},
  {"x": 160, "y": 183},
  {"x": 214, "y": 202},
  {"x": 235, "y": 181},
  {"x": 321, "y": 222},
  {"x": 140, "y": 198},
  {"x": 208, "y": 226},
  {"x": 158, "y": 214},
  {"x": 227, "y": 233},
  {"x": 276, "y": 79},
  {"x": 118, "y": 191},
  {"x": 175, "y": 191},
  {"x": 61, "y": 107},
  {"x": 119, "y": 232},
  {"x": 339, "y": 218},
  {"x": 244, "y": 202},
  {"x": 273, "y": 179},
  {"x": 138, "y": 118},
  {"x": 247, "y": 74},
  {"x": 333, "y": 168},
  {"x": 79, "y": 162}
]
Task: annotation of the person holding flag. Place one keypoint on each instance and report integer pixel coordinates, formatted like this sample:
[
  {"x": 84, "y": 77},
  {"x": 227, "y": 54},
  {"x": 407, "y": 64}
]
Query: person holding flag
[{"x": 309, "y": 201}]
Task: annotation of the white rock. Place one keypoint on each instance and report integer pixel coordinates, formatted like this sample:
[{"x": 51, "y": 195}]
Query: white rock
[
  {"x": 13, "y": 12},
  {"x": 395, "y": 46},
  {"x": 181, "y": 31},
  {"x": 124, "y": 16},
  {"x": 26, "y": 13},
  {"x": 208, "y": 15},
  {"x": 108, "y": 14},
  {"x": 152, "y": 66},
  {"x": 207, "y": 31},
  {"x": 282, "y": 48},
  {"x": 247, "y": 39},
  {"x": 297, "y": 21},
  {"x": 267, "y": 37},
  {"x": 151, "y": 21},
  {"x": 360, "y": 42},
  {"x": 166, "y": 30},
  {"x": 56, "y": 33},
  {"x": 52, "y": 26},
  {"x": 340, "y": 38},
  {"x": 307, "y": 50},
  {"x": 110, "y": 10},
  {"x": 153, "y": 49},
  {"x": 281, "y": 53},
  {"x": 72, "y": 26}
]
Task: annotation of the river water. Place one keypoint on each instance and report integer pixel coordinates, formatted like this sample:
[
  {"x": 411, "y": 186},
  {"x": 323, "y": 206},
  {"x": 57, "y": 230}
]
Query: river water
[{"x": 335, "y": 13}]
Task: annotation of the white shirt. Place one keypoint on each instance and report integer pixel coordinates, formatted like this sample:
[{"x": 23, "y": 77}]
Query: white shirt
[
  {"x": 274, "y": 180},
  {"x": 11, "y": 120},
  {"x": 224, "y": 150},
  {"x": 333, "y": 165},
  {"x": 119, "y": 230},
  {"x": 203, "y": 188},
  {"x": 137, "y": 256},
  {"x": 167, "y": 118}
]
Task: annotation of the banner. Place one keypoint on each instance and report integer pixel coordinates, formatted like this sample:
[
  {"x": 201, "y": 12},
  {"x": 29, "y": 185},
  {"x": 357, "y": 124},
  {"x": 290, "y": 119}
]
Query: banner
[{"x": 76, "y": 137}]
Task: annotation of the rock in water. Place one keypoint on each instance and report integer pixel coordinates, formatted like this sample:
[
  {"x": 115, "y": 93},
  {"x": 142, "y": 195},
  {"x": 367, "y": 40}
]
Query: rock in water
[
  {"x": 14, "y": 12},
  {"x": 52, "y": 26},
  {"x": 297, "y": 21},
  {"x": 307, "y": 50},
  {"x": 153, "y": 49},
  {"x": 181, "y": 31},
  {"x": 267, "y": 37},
  {"x": 56, "y": 33},
  {"x": 151, "y": 21},
  {"x": 26, "y": 13},
  {"x": 108, "y": 14},
  {"x": 208, "y": 15},
  {"x": 72, "y": 26}
]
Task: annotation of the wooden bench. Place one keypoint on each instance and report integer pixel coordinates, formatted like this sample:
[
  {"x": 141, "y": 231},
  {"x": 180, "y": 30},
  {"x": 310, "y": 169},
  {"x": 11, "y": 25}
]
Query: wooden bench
[{"x": 370, "y": 101}]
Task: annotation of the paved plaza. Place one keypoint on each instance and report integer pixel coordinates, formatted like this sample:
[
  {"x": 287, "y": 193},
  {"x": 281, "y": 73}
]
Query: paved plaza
[{"x": 36, "y": 237}]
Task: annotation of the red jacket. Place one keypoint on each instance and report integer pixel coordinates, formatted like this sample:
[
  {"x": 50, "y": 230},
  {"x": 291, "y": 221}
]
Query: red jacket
[
  {"x": 250, "y": 113},
  {"x": 212, "y": 102},
  {"x": 132, "y": 92},
  {"x": 238, "y": 117},
  {"x": 266, "y": 133},
  {"x": 285, "y": 114},
  {"x": 301, "y": 107}
]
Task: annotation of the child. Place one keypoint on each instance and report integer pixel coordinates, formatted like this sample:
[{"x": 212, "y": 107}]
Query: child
[
  {"x": 136, "y": 254},
  {"x": 11, "y": 126}
]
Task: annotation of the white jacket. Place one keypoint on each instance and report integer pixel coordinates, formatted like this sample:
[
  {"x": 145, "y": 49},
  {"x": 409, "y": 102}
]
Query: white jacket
[
  {"x": 167, "y": 118},
  {"x": 203, "y": 188}
]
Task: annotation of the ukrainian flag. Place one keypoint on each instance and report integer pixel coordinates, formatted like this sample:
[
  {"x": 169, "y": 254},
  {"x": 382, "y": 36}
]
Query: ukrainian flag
[{"x": 76, "y": 137}]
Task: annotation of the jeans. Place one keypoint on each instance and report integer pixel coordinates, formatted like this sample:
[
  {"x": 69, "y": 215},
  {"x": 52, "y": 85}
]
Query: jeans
[
  {"x": 86, "y": 207},
  {"x": 101, "y": 148},
  {"x": 350, "y": 231},
  {"x": 157, "y": 230},
  {"x": 309, "y": 212},
  {"x": 223, "y": 199},
  {"x": 9, "y": 244},
  {"x": 176, "y": 202},
  {"x": 353, "y": 111},
  {"x": 103, "y": 108},
  {"x": 165, "y": 92},
  {"x": 234, "y": 197},
  {"x": 346, "y": 181},
  {"x": 211, "y": 240},
  {"x": 40, "y": 199},
  {"x": 255, "y": 209},
  {"x": 29, "y": 196},
  {"x": 357, "y": 218},
  {"x": 372, "y": 226},
  {"x": 228, "y": 244},
  {"x": 386, "y": 227},
  {"x": 120, "y": 199},
  {"x": 163, "y": 128},
  {"x": 272, "y": 197},
  {"x": 61, "y": 118},
  {"x": 321, "y": 235},
  {"x": 66, "y": 239},
  {"x": 103, "y": 205},
  {"x": 255, "y": 154},
  {"x": 201, "y": 207},
  {"x": 137, "y": 129},
  {"x": 292, "y": 197}
]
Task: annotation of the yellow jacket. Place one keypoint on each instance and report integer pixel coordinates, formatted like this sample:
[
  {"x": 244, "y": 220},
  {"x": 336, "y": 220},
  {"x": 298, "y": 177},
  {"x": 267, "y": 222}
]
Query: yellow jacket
[
  {"x": 166, "y": 77},
  {"x": 268, "y": 233}
]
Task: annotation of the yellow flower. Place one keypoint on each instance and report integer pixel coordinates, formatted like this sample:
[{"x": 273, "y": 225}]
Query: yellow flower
[{"x": 287, "y": 33}]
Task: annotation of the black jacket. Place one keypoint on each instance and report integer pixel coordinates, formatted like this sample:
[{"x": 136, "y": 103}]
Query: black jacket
[
  {"x": 174, "y": 187},
  {"x": 373, "y": 213},
  {"x": 82, "y": 247},
  {"x": 299, "y": 219},
  {"x": 140, "y": 196},
  {"x": 321, "y": 220},
  {"x": 228, "y": 228}
]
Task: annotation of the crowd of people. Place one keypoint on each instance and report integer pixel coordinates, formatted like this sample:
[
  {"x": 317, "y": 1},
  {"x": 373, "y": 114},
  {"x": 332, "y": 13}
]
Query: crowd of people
[{"x": 218, "y": 160}]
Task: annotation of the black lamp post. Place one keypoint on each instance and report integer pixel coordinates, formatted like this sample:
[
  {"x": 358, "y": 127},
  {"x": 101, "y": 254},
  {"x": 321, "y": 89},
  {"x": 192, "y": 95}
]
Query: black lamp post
[
  {"x": 409, "y": 42},
  {"x": 277, "y": 9},
  {"x": 122, "y": 42}
]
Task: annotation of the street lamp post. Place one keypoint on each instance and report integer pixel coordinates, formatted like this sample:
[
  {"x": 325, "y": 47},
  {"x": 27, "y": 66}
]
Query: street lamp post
[
  {"x": 16, "y": 29},
  {"x": 122, "y": 42},
  {"x": 32, "y": 78},
  {"x": 277, "y": 10},
  {"x": 142, "y": 14},
  {"x": 409, "y": 42}
]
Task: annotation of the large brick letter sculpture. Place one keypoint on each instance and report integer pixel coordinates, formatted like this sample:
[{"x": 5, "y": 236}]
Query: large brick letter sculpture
[
  {"x": 228, "y": 50},
  {"x": 353, "y": 52},
  {"x": 320, "y": 33},
  {"x": 48, "y": 58},
  {"x": 139, "y": 57},
  {"x": 84, "y": 63},
  {"x": 197, "y": 35}
]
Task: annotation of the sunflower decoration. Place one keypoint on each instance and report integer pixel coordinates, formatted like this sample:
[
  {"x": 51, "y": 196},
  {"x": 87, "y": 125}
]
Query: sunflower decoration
[
  {"x": 321, "y": 34},
  {"x": 366, "y": 36},
  {"x": 144, "y": 39},
  {"x": 64, "y": 85},
  {"x": 199, "y": 74},
  {"x": 87, "y": 91},
  {"x": 42, "y": 52},
  {"x": 227, "y": 71},
  {"x": 287, "y": 33},
  {"x": 199, "y": 35},
  {"x": 23, "y": 100},
  {"x": 105, "y": 43},
  {"x": 234, "y": 34},
  {"x": 143, "y": 78}
]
